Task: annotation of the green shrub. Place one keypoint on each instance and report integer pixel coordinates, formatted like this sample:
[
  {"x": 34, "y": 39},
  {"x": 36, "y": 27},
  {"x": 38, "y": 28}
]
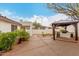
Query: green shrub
[
  {"x": 43, "y": 34},
  {"x": 8, "y": 39},
  {"x": 0, "y": 32},
  {"x": 46, "y": 34},
  {"x": 23, "y": 34}
]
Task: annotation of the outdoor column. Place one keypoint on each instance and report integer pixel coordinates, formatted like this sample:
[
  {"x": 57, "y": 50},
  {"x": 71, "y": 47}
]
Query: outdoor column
[
  {"x": 53, "y": 26},
  {"x": 31, "y": 30},
  {"x": 76, "y": 32}
]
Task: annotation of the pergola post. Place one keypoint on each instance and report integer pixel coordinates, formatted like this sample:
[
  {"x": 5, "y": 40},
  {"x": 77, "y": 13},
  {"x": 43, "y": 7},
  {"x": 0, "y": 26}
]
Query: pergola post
[
  {"x": 76, "y": 32},
  {"x": 53, "y": 26}
]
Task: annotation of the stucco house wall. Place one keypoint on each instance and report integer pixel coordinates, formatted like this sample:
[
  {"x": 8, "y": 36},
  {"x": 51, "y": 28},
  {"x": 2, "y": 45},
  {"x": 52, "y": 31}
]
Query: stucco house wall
[
  {"x": 8, "y": 25},
  {"x": 5, "y": 27}
]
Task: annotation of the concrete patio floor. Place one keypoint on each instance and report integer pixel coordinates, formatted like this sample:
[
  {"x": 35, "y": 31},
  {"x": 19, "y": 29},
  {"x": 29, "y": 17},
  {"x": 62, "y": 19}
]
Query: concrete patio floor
[{"x": 45, "y": 46}]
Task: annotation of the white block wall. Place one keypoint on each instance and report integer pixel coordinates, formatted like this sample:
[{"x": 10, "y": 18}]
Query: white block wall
[
  {"x": 39, "y": 31},
  {"x": 72, "y": 29}
]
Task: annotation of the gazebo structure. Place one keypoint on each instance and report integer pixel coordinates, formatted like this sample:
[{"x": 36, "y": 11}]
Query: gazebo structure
[{"x": 66, "y": 23}]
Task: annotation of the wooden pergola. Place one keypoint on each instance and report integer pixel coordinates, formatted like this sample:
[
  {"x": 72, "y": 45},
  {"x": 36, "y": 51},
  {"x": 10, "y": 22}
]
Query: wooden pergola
[{"x": 66, "y": 23}]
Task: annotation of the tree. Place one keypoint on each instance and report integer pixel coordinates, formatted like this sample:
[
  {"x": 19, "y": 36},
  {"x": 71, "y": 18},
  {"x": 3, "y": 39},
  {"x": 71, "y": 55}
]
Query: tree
[
  {"x": 69, "y": 9},
  {"x": 36, "y": 25},
  {"x": 21, "y": 20}
]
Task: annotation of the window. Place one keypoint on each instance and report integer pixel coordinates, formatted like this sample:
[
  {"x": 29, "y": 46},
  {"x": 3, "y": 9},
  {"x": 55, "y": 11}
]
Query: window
[
  {"x": 23, "y": 27},
  {"x": 13, "y": 27},
  {"x": 27, "y": 27}
]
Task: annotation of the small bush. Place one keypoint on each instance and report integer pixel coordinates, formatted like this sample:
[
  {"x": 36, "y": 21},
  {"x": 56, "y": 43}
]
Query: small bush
[
  {"x": 63, "y": 31},
  {"x": 46, "y": 34}
]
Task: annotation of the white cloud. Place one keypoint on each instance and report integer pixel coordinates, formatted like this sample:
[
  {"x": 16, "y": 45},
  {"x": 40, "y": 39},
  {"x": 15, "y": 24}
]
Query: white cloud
[
  {"x": 46, "y": 21},
  {"x": 11, "y": 15},
  {"x": 57, "y": 17},
  {"x": 5, "y": 13}
]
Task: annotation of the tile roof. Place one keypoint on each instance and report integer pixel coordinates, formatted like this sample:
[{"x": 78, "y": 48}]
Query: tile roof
[
  {"x": 3, "y": 18},
  {"x": 65, "y": 22}
]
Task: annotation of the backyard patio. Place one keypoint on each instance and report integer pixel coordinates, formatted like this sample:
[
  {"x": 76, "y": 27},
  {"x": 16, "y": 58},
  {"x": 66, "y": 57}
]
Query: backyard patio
[{"x": 45, "y": 46}]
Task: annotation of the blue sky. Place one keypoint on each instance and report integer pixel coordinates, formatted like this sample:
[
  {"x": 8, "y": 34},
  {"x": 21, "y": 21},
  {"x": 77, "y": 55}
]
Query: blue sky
[
  {"x": 30, "y": 12},
  {"x": 27, "y": 9}
]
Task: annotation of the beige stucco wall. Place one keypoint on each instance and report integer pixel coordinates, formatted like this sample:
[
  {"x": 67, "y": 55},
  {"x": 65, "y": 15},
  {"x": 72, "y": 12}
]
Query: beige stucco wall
[
  {"x": 18, "y": 27},
  {"x": 5, "y": 27}
]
